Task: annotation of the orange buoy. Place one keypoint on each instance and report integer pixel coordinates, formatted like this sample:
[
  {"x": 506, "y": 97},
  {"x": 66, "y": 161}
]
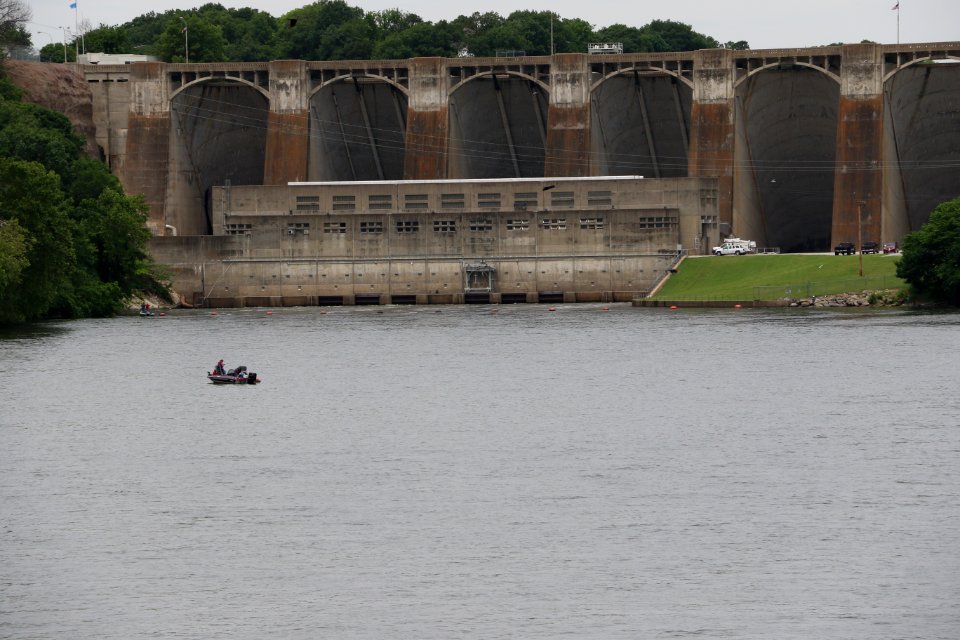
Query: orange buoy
[
  {"x": 673, "y": 306},
  {"x": 606, "y": 308},
  {"x": 737, "y": 306},
  {"x": 162, "y": 314},
  {"x": 269, "y": 313},
  {"x": 552, "y": 309}
]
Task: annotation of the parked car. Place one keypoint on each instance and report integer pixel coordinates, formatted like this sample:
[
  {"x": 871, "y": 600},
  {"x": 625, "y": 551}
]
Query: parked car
[
  {"x": 890, "y": 247},
  {"x": 844, "y": 248},
  {"x": 870, "y": 247}
]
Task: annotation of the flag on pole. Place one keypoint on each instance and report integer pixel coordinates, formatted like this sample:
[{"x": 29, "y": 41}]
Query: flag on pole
[
  {"x": 895, "y": 7},
  {"x": 73, "y": 5}
]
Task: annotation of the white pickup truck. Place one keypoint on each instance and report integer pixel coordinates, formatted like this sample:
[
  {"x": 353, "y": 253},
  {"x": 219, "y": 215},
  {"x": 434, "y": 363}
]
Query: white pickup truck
[{"x": 735, "y": 247}]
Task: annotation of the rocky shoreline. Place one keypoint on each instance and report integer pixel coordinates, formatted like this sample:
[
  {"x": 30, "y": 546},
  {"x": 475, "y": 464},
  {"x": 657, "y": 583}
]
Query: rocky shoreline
[
  {"x": 884, "y": 298},
  {"x": 132, "y": 305}
]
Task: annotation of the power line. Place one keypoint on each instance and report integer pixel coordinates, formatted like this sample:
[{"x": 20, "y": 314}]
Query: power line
[{"x": 319, "y": 130}]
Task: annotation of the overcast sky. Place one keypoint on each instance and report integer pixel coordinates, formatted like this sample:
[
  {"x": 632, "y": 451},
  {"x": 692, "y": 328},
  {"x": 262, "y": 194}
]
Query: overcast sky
[{"x": 765, "y": 24}]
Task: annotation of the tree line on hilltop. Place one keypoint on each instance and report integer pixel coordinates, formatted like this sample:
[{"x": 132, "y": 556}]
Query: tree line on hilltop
[{"x": 334, "y": 30}]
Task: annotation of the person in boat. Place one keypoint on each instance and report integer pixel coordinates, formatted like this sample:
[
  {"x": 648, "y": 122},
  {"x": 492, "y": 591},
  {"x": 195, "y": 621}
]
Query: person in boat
[{"x": 219, "y": 369}]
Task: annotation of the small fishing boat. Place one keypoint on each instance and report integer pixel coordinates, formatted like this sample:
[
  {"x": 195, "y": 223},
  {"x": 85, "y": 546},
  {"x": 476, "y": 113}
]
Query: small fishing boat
[{"x": 234, "y": 376}]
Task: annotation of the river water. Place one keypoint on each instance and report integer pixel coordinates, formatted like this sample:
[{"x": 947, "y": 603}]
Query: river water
[{"x": 513, "y": 472}]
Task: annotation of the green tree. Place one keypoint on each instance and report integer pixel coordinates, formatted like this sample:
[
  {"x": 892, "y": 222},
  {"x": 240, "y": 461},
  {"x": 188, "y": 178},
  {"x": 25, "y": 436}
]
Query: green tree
[
  {"x": 87, "y": 179},
  {"x": 54, "y": 53},
  {"x": 114, "y": 227},
  {"x": 335, "y": 30},
  {"x": 31, "y": 133},
  {"x": 104, "y": 39},
  {"x": 502, "y": 37},
  {"x": 469, "y": 31},
  {"x": 420, "y": 40},
  {"x": 931, "y": 256},
  {"x": 204, "y": 38},
  {"x": 527, "y": 31},
  {"x": 306, "y": 34},
  {"x": 143, "y": 32},
  {"x": 71, "y": 244},
  {"x": 13, "y": 255},
  {"x": 31, "y": 195},
  {"x": 391, "y": 21},
  {"x": 8, "y": 90},
  {"x": 632, "y": 38},
  {"x": 572, "y": 36},
  {"x": 256, "y": 40},
  {"x": 250, "y": 34},
  {"x": 678, "y": 36},
  {"x": 14, "y": 15},
  {"x": 351, "y": 40}
]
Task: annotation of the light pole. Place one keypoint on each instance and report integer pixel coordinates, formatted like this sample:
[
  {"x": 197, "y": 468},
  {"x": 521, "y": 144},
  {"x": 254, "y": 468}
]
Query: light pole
[
  {"x": 48, "y": 35},
  {"x": 64, "y": 30},
  {"x": 860, "y": 233},
  {"x": 186, "y": 41}
]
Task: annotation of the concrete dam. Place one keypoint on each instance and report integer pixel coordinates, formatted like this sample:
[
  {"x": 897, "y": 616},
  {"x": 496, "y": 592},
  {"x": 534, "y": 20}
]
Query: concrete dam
[{"x": 803, "y": 140}]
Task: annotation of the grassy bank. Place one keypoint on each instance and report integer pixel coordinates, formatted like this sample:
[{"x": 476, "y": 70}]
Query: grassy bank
[{"x": 772, "y": 277}]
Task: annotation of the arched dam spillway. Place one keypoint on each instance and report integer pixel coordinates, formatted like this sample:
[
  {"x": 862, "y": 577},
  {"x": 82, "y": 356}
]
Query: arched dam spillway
[
  {"x": 922, "y": 109},
  {"x": 356, "y": 131},
  {"x": 811, "y": 146},
  {"x": 497, "y": 125},
  {"x": 220, "y": 134},
  {"x": 640, "y": 125},
  {"x": 788, "y": 122}
]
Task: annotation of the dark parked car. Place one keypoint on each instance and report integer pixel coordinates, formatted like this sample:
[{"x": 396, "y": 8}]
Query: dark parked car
[
  {"x": 870, "y": 247},
  {"x": 890, "y": 247},
  {"x": 844, "y": 248}
]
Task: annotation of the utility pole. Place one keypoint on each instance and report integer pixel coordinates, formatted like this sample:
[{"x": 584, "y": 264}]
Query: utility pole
[
  {"x": 48, "y": 35},
  {"x": 186, "y": 41},
  {"x": 860, "y": 233},
  {"x": 551, "y": 33}
]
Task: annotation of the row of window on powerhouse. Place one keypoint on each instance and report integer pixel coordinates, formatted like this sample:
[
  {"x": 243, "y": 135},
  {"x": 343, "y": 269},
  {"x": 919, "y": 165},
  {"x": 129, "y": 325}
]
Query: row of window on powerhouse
[
  {"x": 454, "y": 201},
  {"x": 451, "y": 226}
]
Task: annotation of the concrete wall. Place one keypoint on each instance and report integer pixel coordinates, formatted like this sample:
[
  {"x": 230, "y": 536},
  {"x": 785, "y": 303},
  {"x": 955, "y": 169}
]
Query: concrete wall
[
  {"x": 712, "y": 134},
  {"x": 593, "y": 239},
  {"x": 111, "y": 111},
  {"x": 858, "y": 180}
]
